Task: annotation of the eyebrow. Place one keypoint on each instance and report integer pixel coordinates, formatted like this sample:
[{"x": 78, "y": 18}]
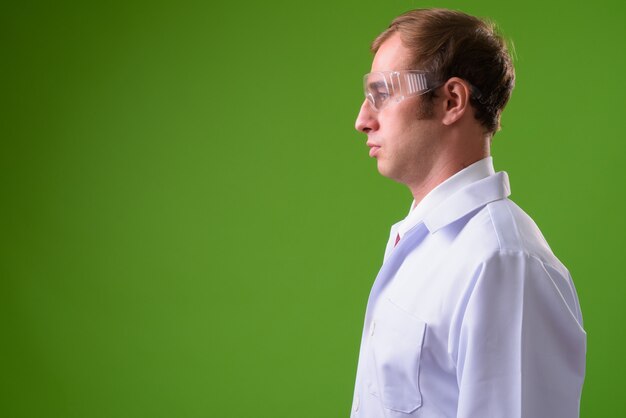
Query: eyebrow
[{"x": 376, "y": 84}]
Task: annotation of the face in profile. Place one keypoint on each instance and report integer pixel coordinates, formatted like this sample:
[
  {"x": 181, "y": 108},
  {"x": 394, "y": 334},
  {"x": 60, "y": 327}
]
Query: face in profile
[{"x": 401, "y": 135}]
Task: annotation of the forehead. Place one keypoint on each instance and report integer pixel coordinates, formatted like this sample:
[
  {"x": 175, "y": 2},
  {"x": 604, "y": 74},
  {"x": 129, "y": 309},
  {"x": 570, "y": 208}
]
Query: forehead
[{"x": 392, "y": 55}]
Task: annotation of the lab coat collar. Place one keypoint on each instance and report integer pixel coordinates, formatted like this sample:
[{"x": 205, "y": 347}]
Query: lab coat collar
[
  {"x": 471, "y": 174},
  {"x": 468, "y": 199}
]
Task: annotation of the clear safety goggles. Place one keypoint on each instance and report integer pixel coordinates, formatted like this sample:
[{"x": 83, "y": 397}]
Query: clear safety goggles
[{"x": 383, "y": 87}]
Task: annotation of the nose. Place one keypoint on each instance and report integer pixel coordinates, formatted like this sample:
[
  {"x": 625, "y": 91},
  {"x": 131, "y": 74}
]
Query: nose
[{"x": 367, "y": 120}]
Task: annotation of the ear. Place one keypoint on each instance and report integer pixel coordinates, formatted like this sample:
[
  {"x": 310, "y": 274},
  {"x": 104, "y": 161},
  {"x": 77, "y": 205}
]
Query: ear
[{"x": 456, "y": 96}]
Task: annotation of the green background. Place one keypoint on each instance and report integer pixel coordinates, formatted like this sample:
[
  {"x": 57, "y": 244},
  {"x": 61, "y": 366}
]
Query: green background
[{"x": 191, "y": 225}]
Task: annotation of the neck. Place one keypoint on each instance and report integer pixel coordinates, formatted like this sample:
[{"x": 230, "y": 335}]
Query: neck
[
  {"x": 434, "y": 178},
  {"x": 440, "y": 173},
  {"x": 457, "y": 149}
]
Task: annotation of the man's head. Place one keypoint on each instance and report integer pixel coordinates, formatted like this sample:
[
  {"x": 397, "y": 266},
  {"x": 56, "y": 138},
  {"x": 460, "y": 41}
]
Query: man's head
[
  {"x": 448, "y": 43},
  {"x": 419, "y": 123}
]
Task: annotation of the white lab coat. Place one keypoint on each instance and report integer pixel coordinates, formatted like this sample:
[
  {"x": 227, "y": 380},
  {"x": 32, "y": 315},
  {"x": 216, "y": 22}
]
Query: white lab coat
[{"x": 471, "y": 316}]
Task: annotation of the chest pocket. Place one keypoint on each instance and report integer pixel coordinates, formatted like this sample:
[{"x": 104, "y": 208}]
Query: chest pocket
[{"x": 396, "y": 340}]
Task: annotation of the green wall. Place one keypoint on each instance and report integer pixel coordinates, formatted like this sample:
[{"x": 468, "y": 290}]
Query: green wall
[{"x": 191, "y": 225}]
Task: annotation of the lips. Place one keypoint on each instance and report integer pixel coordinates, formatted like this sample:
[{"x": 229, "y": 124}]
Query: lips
[{"x": 373, "y": 149}]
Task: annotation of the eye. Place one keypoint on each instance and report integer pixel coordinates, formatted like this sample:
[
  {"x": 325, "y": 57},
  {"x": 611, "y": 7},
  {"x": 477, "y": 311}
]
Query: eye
[{"x": 381, "y": 95}]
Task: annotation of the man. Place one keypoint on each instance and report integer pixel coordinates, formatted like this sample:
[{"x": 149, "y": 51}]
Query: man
[{"x": 471, "y": 314}]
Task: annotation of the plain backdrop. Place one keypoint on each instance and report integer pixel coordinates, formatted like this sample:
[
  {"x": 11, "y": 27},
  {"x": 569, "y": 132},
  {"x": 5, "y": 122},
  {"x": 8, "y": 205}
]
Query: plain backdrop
[{"x": 190, "y": 225}]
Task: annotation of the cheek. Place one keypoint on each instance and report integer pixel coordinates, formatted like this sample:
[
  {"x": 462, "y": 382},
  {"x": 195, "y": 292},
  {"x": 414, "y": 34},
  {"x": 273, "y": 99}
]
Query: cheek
[{"x": 394, "y": 130}]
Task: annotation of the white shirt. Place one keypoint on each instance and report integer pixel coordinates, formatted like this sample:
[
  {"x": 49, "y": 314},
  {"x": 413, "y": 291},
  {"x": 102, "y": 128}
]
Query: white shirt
[{"x": 471, "y": 314}]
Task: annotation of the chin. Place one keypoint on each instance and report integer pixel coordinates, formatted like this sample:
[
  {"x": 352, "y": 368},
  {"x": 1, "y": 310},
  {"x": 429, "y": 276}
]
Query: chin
[
  {"x": 381, "y": 168},
  {"x": 391, "y": 173},
  {"x": 385, "y": 170}
]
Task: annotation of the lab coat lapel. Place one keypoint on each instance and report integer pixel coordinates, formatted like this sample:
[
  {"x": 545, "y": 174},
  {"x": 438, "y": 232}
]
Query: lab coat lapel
[{"x": 410, "y": 241}]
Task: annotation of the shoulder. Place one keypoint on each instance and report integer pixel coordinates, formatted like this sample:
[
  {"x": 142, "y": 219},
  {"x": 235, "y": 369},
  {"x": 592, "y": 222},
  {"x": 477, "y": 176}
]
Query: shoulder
[{"x": 505, "y": 228}]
